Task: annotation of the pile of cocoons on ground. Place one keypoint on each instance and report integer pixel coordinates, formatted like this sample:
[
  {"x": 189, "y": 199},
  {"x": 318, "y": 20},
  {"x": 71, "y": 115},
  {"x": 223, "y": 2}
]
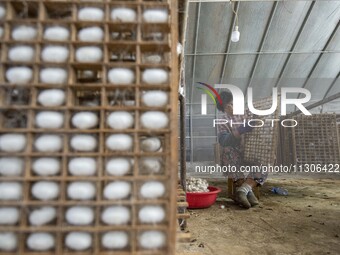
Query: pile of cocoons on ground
[{"x": 197, "y": 185}]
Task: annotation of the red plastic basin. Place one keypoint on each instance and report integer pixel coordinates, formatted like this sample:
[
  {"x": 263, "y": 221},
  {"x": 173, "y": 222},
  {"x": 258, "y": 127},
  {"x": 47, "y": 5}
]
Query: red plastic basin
[{"x": 202, "y": 199}]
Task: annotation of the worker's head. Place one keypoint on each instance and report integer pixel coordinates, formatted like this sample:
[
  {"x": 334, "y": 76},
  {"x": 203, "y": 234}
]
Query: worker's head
[{"x": 227, "y": 102}]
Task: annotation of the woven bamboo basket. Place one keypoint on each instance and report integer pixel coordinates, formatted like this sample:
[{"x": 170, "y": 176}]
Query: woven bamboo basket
[
  {"x": 261, "y": 144},
  {"x": 316, "y": 140}
]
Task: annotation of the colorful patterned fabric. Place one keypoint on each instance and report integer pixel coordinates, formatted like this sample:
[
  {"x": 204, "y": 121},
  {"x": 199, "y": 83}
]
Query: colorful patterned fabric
[{"x": 232, "y": 155}]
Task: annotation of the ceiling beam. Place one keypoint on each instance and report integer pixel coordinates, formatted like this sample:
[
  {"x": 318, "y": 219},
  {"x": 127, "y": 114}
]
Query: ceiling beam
[
  {"x": 330, "y": 39},
  {"x": 264, "y": 37},
  {"x": 260, "y": 53},
  {"x": 330, "y": 88},
  {"x": 237, "y": 5},
  {"x": 324, "y": 49},
  {"x": 295, "y": 43},
  {"x": 316, "y": 104}
]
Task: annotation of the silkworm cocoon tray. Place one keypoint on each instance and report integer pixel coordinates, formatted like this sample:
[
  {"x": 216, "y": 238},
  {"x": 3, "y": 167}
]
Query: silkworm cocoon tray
[
  {"x": 82, "y": 166},
  {"x": 118, "y": 166},
  {"x": 91, "y": 14},
  {"x": 154, "y": 120},
  {"x": 8, "y": 241},
  {"x": 155, "y": 98},
  {"x": 152, "y": 239},
  {"x": 2, "y": 12},
  {"x": 46, "y": 166},
  {"x": 19, "y": 75},
  {"x": 115, "y": 240},
  {"x": 24, "y": 33},
  {"x": 53, "y": 75},
  {"x": 49, "y": 143},
  {"x": 121, "y": 76},
  {"x": 85, "y": 120},
  {"x": 56, "y": 33},
  {"x": 45, "y": 190},
  {"x": 11, "y": 166},
  {"x": 89, "y": 54},
  {"x": 9, "y": 215},
  {"x": 91, "y": 34},
  {"x": 123, "y": 14},
  {"x": 81, "y": 190},
  {"x": 151, "y": 214},
  {"x": 83, "y": 143},
  {"x": 151, "y": 144},
  {"x": 117, "y": 190},
  {"x": 40, "y": 241},
  {"x": 42, "y": 216},
  {"x": 22, "y": 53},
  {"x": 80, "y": 215},
  {"x": 119, "y": 142},
  {"x": 151, "y": 165},
  {"x": 55, "y": 54},
  {"x": 156, "y": 15},
  {"x": 120, "y": 120},
  {"x": 116, "y": 215},
  {"x": 49, "y": 119},
  {"x": 78, "y": 241},
  {"x": 10, "y": 190},
  {"x": 51, "y": 97},
  {"x": 12, "y": 142},
  {"x": 155, "y": 76},
  {"x": 152, "y": 190}
]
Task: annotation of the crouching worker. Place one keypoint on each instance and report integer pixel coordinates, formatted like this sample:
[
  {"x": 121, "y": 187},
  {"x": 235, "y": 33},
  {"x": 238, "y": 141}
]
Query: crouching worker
[{"x": 231, "y": 140}]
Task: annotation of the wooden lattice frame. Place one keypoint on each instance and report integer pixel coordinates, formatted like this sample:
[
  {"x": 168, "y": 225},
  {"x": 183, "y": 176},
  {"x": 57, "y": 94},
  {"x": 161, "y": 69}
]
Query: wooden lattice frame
[
  {"x": 260, "y": 146},
  {"x": 316, "y": 139},
  {"x": 39, "y": 13}
]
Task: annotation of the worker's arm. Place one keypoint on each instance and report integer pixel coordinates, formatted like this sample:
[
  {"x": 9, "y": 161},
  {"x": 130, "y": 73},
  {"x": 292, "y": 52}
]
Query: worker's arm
[{"x": 228, "y": 139}]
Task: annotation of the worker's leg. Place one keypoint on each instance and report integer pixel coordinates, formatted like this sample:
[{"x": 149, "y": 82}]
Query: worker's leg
[
  {"x": 233, "y": 157},
  {"x": 253, "y": 180}
]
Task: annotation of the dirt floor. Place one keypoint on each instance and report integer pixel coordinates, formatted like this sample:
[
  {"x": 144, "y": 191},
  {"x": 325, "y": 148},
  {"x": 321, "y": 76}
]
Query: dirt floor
[{"x": 307, "y": 221}]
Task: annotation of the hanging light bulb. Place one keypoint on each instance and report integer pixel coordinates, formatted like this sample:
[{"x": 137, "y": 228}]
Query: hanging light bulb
[{"x": 235, "y": 35}]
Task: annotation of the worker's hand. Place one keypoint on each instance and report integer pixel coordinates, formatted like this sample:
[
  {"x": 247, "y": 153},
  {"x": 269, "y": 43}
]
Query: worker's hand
[{"x": 244, "y": 129}]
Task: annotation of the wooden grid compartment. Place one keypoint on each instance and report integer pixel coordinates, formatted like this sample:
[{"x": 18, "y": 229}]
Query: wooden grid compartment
[
  {"x": 287, "y": 145},
  {"x": 86, "y": 87},
  {"x": 316, "y": 139},
  {"x": 260, "y": 146}
]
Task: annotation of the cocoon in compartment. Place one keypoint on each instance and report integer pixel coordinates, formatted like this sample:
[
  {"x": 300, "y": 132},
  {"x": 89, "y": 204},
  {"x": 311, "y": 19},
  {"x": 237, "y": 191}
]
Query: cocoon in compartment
[
  {"x": 24, "y": 33},
  {"x": 56, "y": 33},
  {"x": 8, "y": 241},
  {"x": 78, "y": 241},
  {"x": 53, "y": 75},
  {"x": 91, "y": 14},
  {"x": 12, "y": 142},
  {"x": 118, "y": 166},
  {"x": 19, "y": 75},
  {"x": 51, "y": 97},
  {"x": 123, "y": 14},
  {"x": 21, "y": 53}
]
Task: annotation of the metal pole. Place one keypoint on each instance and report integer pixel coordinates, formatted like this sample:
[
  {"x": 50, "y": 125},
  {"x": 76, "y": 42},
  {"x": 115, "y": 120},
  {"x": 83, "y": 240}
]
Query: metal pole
[
  {"x": 321, "y": 102},
  {"x": 183, "y": 170}
]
